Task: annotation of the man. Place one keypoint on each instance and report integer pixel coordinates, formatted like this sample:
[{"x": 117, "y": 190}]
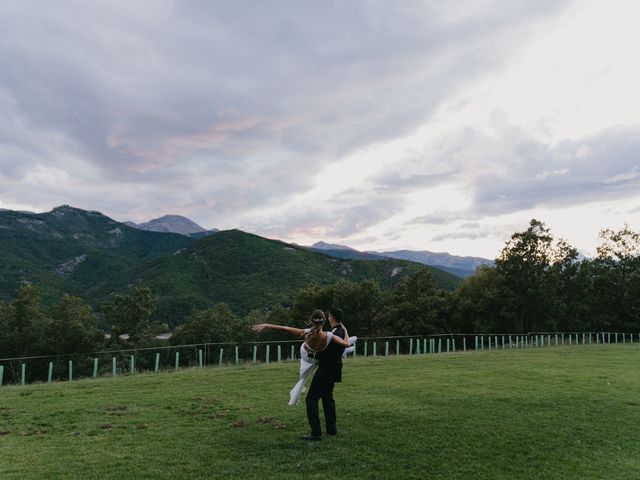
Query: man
[{"x": 329, "y": 373}]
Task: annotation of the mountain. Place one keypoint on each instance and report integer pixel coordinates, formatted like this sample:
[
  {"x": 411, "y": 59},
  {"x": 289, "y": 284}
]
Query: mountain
[
  {"x": 459, "y": 266},
  {"x": 330, "y": 246},
  {"x": 247, "y": 271},
  {"x": 464, "y": 266},
  {"x": 87, "y": 254},
  {"x": 345, "y": 252},
  {"x": 174, "y": 224},
  {"x": 73, "y": 250}
]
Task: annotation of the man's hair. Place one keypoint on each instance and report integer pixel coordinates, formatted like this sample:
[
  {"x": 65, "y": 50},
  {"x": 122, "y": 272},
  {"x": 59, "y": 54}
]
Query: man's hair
[{"x": 337, "y": 313}]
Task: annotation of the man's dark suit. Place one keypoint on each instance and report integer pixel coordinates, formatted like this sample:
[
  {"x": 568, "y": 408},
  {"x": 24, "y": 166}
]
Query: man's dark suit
[{"x": 329, "y": 372}]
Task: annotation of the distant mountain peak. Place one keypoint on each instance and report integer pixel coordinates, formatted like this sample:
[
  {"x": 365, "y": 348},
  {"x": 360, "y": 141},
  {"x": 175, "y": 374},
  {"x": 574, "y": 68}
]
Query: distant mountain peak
[
  {"x": 172, "y": 223},
  {"x": 329, "y": 246},
  {"x": 69, "y": 209}
]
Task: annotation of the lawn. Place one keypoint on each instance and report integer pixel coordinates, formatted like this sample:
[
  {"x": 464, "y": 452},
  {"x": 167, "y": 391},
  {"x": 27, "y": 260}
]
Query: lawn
[{"x": 561, "y": 412}]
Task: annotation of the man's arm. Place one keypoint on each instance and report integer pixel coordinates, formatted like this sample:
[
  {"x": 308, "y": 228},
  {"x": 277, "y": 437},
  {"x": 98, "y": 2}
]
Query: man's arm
[
  {"x": 298, "y": 332},
  {"x": 343, "y": 342}
]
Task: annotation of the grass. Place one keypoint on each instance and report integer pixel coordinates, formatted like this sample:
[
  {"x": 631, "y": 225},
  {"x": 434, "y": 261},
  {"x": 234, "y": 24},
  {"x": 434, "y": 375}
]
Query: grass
[{"x": 558, "y": 413}]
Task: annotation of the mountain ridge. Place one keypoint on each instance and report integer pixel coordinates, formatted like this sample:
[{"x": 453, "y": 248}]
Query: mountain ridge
[
  {"x": 461, "y": 266},
  {"x": 90, "y": 255}
]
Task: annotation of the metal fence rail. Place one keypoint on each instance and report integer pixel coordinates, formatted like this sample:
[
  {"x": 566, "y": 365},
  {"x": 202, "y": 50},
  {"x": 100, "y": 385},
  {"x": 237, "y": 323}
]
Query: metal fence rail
[{"x": 114, "y": 363}]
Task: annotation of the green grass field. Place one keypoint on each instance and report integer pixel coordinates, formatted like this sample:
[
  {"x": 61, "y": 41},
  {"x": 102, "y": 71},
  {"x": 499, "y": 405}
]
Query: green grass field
[{"x": 561, "y": 413}]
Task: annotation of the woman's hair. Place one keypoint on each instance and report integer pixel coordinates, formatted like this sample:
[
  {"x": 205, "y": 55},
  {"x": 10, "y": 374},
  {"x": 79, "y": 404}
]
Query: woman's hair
[{"x": 317, "y": 318}]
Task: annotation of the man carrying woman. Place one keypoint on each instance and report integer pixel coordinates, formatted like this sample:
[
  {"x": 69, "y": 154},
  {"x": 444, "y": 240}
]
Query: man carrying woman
[{"x": 325, "y": 350}]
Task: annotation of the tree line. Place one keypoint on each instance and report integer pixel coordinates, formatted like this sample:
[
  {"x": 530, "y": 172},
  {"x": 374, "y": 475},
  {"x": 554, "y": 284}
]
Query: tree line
[{"x": 537, "y": 284}]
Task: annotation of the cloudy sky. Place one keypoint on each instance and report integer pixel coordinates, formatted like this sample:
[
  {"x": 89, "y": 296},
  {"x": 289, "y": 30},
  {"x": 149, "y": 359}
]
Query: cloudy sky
[{"x": 429, "y": 125}]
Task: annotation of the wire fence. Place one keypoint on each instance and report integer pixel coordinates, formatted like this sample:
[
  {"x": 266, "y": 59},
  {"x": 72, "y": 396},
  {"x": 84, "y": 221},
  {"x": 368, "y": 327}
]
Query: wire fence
[{"x": 115, "y": 363}]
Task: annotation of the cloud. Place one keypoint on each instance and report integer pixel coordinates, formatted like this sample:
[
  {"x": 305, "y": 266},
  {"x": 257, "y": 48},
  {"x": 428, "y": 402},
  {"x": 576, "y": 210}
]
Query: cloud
[
  {"x": 606, "y": 169},
  {"x": 209, "y": 108}
]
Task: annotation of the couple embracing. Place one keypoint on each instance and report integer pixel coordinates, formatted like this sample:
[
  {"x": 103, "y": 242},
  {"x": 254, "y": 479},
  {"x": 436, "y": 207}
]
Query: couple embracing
[{"x": 324, "y": 350}]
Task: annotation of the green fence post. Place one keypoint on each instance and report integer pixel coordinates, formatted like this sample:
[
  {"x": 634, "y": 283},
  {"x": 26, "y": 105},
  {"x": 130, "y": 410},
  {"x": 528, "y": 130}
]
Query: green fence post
[
  {"x": 70, "y": 370},
  {"x": 489, "y": 338},
  {"x": 476, "y": 342},
  {"x": 608, "y": 337},
  {"x": 556, "y": 336},
  {"x": 268, "y": 351},
  {"x": 113, "y": 366},
  {"x": 453, "y": 344},
  {"x": 375, "y": 348},
  {"x": 448, "y": 345},
  {"x": 365, "y": 348},
  {"x": 255, "y": 353},
  {"x": 439, "y": 345},
  {"x": 542, "y": 340},
  {"x": 23, "y": 373},
  {"x": 464, "y": 344},
  {"x": 386, "y": 349},
  {"x": 221, "y": 354},
  {"x": 293, "y": 353},
  {"x": 132, "y": 363},
  {"x": 157, "y": 366},
  {"x": 616, "y": 337},
  {"x": 50, "y": 373},
  {"x": 177, "y": 360},
  {"x": 1, "y": 374},
  {"x": 577, "y": 342},
  {"x": 510, "y": 344},
  {"x": 411, "y": 346},
  {"x": 95, "y": 368},
  {"x": 482, "y": 342},
  {"x": 424, "y": 346},
  {"x": 238, "y": 360},
  {"x": 279, "y": 354},
  {"x": 200, "y": 358}
]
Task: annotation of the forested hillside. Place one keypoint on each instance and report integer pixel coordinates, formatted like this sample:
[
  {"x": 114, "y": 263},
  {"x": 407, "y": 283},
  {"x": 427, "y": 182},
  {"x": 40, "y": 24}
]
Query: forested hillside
[{"x": 91, "y": 256}]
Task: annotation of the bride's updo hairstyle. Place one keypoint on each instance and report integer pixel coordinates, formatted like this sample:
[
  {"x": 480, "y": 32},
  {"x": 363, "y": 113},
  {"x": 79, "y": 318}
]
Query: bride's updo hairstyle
[{"x": 317, "y": 318}]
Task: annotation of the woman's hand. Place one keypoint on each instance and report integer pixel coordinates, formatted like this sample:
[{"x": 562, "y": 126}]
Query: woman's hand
[{"x": 259, "y": 327}]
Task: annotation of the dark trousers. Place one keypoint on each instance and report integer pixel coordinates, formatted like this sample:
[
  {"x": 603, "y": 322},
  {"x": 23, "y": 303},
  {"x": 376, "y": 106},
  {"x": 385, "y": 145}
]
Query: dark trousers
[{"x": 321, "y": 388}]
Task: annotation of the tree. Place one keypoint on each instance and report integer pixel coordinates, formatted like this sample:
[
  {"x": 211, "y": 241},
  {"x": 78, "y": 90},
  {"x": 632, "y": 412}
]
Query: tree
[
  {"x": 477, "y": 303},
  {"x": 358, "y": 301},
  {"x": 130, "y": 314},
  {"x": 523, "y": 263},
  {"x": 213, "y": 325},
  {"x": 416, "y": 306},
  {"x": 24, "y": 324},
  {"x": 72, "y": 328},
  {"x": 615, "y": 292}
]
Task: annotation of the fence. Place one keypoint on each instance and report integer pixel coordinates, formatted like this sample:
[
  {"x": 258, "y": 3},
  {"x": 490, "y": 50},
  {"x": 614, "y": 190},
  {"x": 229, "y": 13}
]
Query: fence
[{"x": 114, "y": 363}]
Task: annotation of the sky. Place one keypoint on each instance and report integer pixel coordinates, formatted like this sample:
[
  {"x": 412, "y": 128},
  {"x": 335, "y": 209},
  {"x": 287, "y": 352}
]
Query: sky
[{"x": 378, "y": 124}]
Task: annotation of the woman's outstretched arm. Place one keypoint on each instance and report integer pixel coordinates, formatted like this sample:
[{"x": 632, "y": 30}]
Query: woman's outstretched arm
[{"x": 298, "y": 332}]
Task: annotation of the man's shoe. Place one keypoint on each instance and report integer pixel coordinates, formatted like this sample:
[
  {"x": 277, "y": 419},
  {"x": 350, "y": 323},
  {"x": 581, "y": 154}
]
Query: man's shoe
[{"x": 311, "y": 437}]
